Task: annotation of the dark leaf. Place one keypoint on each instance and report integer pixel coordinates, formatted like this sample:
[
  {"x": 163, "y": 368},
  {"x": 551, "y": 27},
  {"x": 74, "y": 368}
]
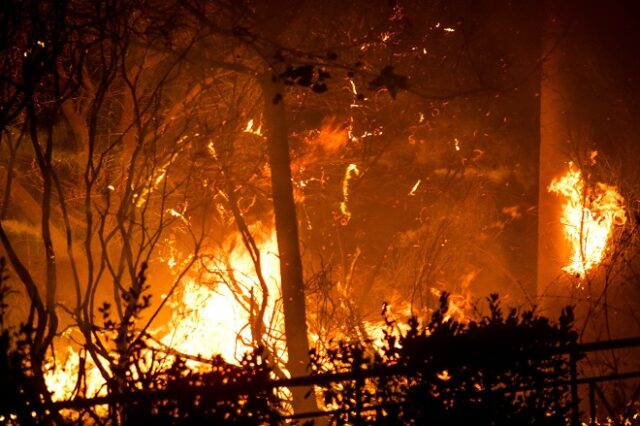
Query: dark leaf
[{"x": 389, "y": 80}]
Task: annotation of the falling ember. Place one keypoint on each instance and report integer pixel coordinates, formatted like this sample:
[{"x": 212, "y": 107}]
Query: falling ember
[
  {"x": 588, "y": 216},
  {"x": 354, "y": 90},
  {"x": 415, "y": 187},
  {"x": 351, "y": 171}
]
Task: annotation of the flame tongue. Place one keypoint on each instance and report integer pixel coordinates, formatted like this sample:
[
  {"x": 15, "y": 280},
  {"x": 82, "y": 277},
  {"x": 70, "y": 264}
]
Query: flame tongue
[{"x": 588, "y": 216}]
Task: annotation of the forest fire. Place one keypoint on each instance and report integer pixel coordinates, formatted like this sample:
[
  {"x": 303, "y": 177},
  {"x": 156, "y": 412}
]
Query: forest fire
[
  {"x": 589, "y": 215},
  {"x": 204, "y": 205}
]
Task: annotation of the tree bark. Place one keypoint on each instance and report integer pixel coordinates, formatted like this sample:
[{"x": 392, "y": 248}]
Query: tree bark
[{"x": 292, "y": 282}]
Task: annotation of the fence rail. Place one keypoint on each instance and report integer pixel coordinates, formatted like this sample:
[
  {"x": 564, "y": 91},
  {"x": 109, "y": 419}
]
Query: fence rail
[{"x": 228, "y": 391}]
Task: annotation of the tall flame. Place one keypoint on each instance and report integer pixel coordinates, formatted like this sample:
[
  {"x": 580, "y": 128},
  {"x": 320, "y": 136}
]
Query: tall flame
[{"x": 588, "y": 215}]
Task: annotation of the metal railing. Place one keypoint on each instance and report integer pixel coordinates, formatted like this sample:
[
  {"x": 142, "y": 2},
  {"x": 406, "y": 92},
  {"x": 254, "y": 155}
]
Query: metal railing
[{"x": 574, "y": 352}]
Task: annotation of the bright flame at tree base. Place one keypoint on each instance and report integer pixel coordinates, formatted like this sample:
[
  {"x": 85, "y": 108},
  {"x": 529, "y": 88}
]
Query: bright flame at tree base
[
  {"x": 211, "y": 316},
  {"x": 214, "y": 317},
  {"x": 588, "y": 215}
]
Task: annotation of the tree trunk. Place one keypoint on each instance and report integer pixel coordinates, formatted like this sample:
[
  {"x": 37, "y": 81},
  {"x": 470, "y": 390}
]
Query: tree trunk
[
  {"x": 292, "y": 282},
  {"x": 554, "y": 139}
]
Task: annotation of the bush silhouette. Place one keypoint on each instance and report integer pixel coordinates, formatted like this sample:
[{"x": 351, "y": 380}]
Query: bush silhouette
[{"x": 487, "y": 372}]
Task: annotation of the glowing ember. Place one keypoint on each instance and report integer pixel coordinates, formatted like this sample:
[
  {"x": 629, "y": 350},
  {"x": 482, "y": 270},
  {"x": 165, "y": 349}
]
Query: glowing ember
[
  {"x": 444, "y": 375},
  {"x": 588, "y": 216},
  {"x": 250, "y": 128}
]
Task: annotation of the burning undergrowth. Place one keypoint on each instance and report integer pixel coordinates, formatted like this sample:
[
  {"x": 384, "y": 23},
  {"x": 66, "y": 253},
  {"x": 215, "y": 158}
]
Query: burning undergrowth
[{"x": 590, "y": 214}]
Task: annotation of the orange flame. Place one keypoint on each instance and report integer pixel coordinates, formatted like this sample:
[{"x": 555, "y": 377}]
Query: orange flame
[
  {"x": 332, "y": 137},
  {"x": 588, "y": 215},
  {"x": 215, "y": 318},
  {"x": 61, "y": 376}
]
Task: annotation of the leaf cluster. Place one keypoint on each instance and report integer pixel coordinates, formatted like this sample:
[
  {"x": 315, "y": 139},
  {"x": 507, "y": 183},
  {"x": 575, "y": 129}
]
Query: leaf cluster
[{"x": 306, "y": 76}]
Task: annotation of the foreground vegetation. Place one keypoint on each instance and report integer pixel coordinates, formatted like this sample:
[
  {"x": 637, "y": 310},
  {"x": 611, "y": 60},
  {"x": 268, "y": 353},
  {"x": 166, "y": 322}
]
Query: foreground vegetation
[{"x": 497, "y": 370}]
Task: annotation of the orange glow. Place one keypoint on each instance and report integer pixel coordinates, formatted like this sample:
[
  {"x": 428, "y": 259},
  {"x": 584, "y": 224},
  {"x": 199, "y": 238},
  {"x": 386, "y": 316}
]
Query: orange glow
[
  {"x": 588, "y": 215},
  {"x": 332, "y": 137}
]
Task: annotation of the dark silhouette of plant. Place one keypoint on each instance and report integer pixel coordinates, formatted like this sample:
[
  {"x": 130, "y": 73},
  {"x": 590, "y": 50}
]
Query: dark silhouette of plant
[
  {"x": 221, "y": 394},
  {"x": 22, "y": 396},
  {"x": 493, "y": 371}
]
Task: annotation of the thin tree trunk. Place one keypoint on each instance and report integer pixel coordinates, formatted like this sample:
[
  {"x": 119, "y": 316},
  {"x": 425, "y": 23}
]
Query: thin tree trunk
[
  {"x": 287, "y": 235},
  {"x": 554, "y": 139}
]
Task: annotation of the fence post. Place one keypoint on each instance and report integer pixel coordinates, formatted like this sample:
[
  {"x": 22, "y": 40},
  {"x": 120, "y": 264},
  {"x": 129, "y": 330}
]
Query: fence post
[{"x": 575, "y": 401}]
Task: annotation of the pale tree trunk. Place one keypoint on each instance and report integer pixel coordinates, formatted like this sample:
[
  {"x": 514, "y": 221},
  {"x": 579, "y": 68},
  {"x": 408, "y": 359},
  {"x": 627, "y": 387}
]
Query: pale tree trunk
[
  {"x": 292, "y": 281},
  {"x": 554, "y": 144}
]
